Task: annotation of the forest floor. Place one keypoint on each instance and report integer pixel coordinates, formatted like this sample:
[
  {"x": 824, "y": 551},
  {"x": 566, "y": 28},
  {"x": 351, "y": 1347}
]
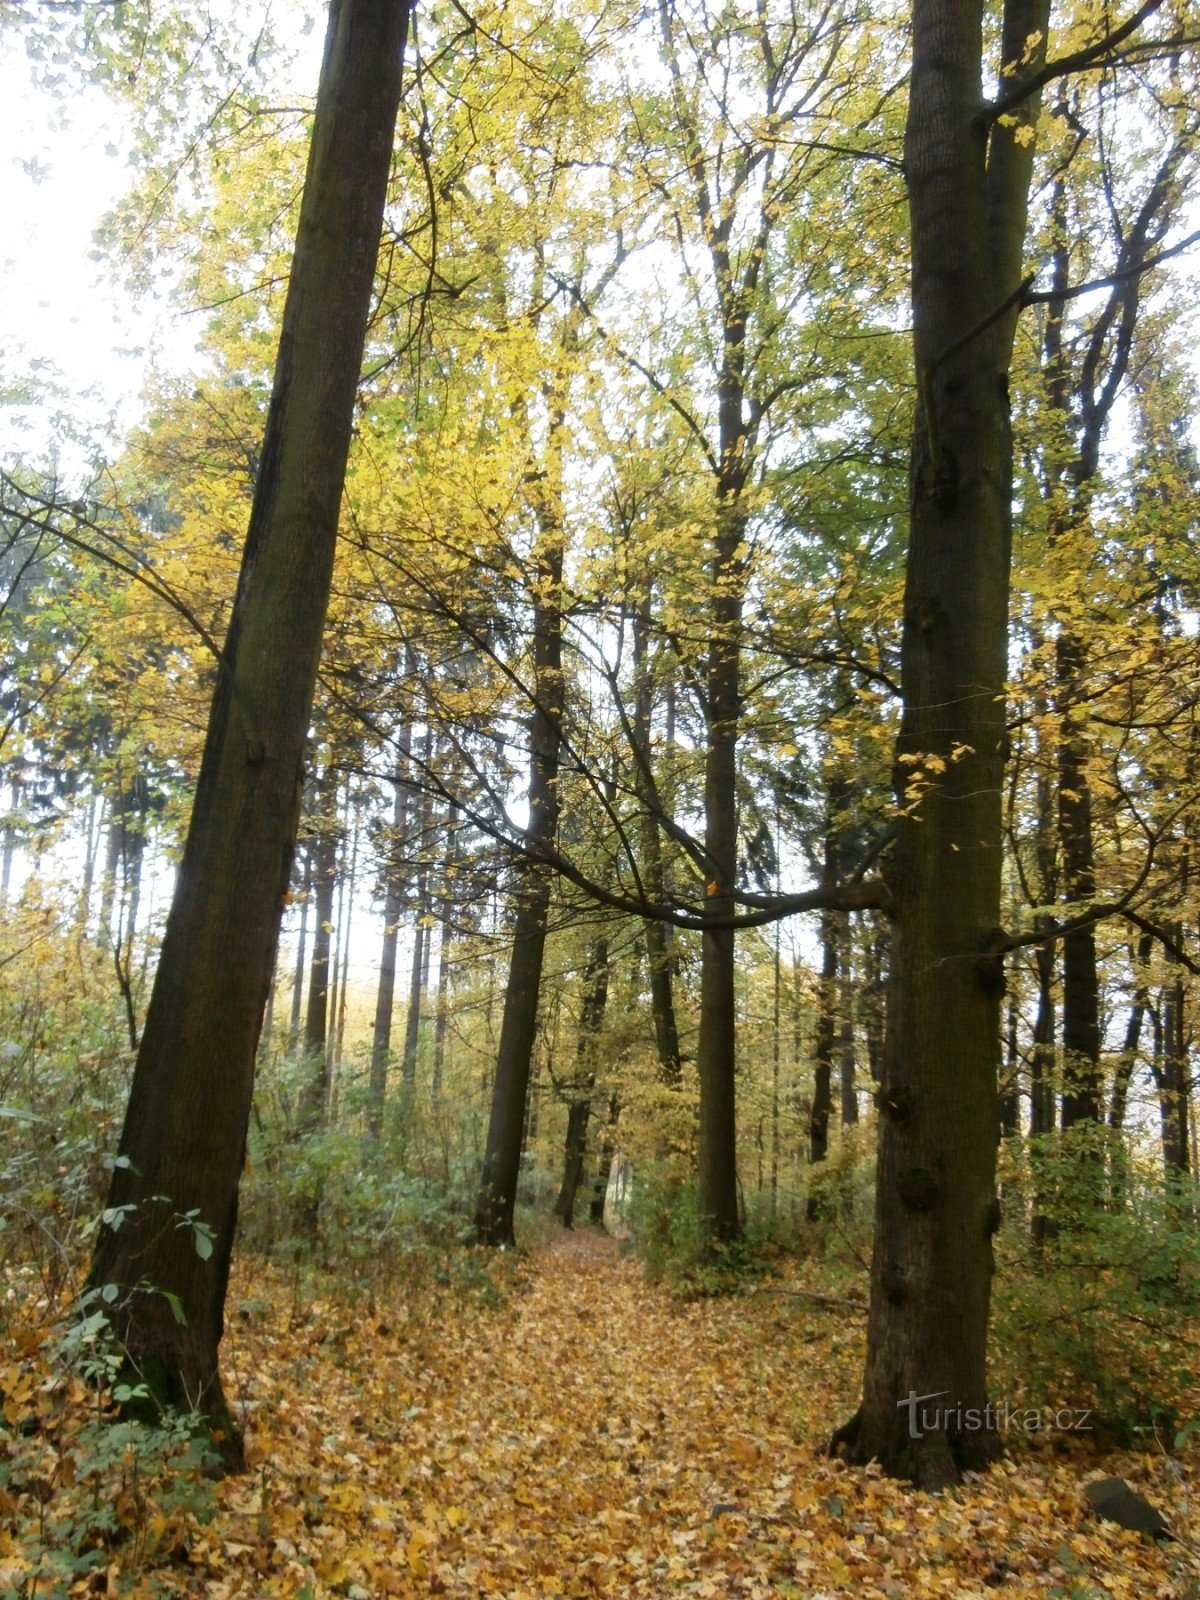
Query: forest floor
[{"x": 576, "y": 1432}]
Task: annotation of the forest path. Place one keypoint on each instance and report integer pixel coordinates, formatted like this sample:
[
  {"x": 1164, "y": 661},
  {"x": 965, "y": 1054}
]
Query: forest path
[{"x": 589, "y": 1434}]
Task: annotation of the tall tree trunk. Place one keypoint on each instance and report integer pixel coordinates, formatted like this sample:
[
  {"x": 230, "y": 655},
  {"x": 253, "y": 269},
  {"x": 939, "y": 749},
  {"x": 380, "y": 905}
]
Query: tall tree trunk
[
  {"x": 445, "y": 949},
  {"x": 591, "y": 1019},
  {"x": 1083, "y": 1081},
  {"x": 608, "y": 1150},
  {"x": 510, "y": 1087},
  {"x": 1010, "y": 1081},
  {"x": 1082, "y": 401},
  {"x": 8, "y": 850},
  {"x": 874, "y": 1001},
  {"x": 847, "y": 1056},
  {"x": 345, "y": 921},
  {"x": 823, "y": 1052},
  {"x": 1174, "y": 1092},
  {"x": 394, "y": 886},
  {"x": 91, "y": 840},
  {"x": 717, "y": 1043},
  {"x": 776, "y": 1061},
  {"x": 1126, "y": 1064},
  {"x": 660, "y": 955},
  {"x": 419, "y": 971},
  {"x": 936, "y": 1207},
  {"x": 1041, "y": 1088},
  {"x": 184, "y": 1137},
  {"x": 301, "y": 952},
  {"x": 316, "y": 1016}
]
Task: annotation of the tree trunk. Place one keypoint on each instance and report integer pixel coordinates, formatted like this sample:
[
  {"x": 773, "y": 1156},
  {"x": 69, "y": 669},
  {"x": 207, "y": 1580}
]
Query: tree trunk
[
  {"x": 510, "y": 1087},
  {"x": 591, "y": 1019},
  {"x": 394, "y": 875},
  {"x": 316, "y": 1016},
  {"x": 301, "y": 952},
  {"x": 823, "y": 1049},
  {"x": 1041, "y": 1088},
  {"x": 847, "y": 1057},
  {"x": 936, "y": 1207},
  {"x": 1174, "y": 1095},
  {"x": 608, "y": 1150},
  {"x": 660, "y": 956},
  {"x": 1083, "y": 1082},
  {"x": 419, "y": 972},
  {"x": 1010, "y": 1106},
  {"x": 1126, "y": 1065},
  {"x": 345, "y": 919},
  {"x": 184, "y": 1138},
  {"x": 445, "y": 946}
]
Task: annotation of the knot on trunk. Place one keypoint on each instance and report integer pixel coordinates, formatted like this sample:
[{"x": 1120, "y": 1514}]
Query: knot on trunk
[
  {"x": 895, "y": 1103},
  {"x": 917, "y": 1189}
]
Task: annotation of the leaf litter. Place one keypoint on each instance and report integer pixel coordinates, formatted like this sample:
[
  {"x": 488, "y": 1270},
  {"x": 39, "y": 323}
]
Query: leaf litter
[{"x": 584, "y": 1434}]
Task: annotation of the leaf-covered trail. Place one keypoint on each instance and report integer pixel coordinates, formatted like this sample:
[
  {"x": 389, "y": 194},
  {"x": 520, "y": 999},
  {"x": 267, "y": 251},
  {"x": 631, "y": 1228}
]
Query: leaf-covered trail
[{"x": 591, "y": 1435}]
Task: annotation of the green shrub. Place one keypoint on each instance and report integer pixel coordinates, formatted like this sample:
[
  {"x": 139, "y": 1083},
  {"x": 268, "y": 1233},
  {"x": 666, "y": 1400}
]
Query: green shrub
[{"x": 1094, "y": 1306}]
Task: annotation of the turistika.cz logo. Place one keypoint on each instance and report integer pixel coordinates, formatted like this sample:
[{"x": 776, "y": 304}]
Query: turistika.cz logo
[{"x": 995, "y": 1417}]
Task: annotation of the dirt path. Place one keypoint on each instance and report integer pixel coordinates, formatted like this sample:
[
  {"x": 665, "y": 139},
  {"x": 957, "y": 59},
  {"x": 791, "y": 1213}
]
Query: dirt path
[{"x": 592, "y": 1436}]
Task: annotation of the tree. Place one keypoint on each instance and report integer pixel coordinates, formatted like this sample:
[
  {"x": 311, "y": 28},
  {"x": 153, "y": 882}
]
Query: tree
[
  {"x": 167, "y": 1236},
  {"x": 968, "y": 171}
]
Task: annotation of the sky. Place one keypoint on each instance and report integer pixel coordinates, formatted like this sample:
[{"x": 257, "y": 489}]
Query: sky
[
  {"x": 66, "y": 322},
  {"x": 59, "y": 314}
]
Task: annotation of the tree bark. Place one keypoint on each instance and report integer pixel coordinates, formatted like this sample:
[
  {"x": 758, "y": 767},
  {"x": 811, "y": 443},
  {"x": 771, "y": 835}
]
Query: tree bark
[
  {"x": 418, "y": 977},
  {"x": 660, "y": 955},
  {"x": 301, "y": 952},
  {"x": 184, "y": 1137},
  {"x": 1174, "y": 1090},
  {"x": 502, "y": 1155},
  {"x": 324, "y": 857},
  {"x": 823, "y": 1049},
  {"x": 608, "y": 1150},
  {"x": 591, "y": 1019},
  {"x": 935, "y": 1197},
  {"x": 445, "y": 948},
  {"x": 394, "y": 886}
]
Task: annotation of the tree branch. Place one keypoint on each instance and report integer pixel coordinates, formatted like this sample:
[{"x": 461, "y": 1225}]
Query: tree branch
[{"x": 1078, "y": 61}]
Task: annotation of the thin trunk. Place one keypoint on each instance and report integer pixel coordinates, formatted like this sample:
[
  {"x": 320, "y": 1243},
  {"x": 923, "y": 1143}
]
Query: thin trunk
[
  {"x": 1010, "y": 1105},
  {"x": 1126, "y": 1065},
  {"x": 874, "y": 992},
  {"x": 91, "y": 841},
  {"x": 502, "y": 1155},
  {"x": 823, "y": 1052},
  {"x": 659, "y": 945},
  {"x": 445, "y": 946},
  {"x": 419, "y": 971},
  {"x": 112, "y": 860},
  {"x": 395, "y": 885},
  {"x": 184, "y": 1137},
  {"x": 1041, "y": 1089},
  {"x": 345, "y": 920},
  {"x": 591, "y": 1019},
  {"x": 301, "y": 952},
  {"x": 716, "y": 1046},
  {"x": 847, "y": 1056},
  {"x": 9, "y": 851},
  {"x": 1173, "y": 1084},
  {"x": 776, "y": 1057},
  {"x": 608, "y": 1150},
  {"x": 316, "y": 1015}
]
